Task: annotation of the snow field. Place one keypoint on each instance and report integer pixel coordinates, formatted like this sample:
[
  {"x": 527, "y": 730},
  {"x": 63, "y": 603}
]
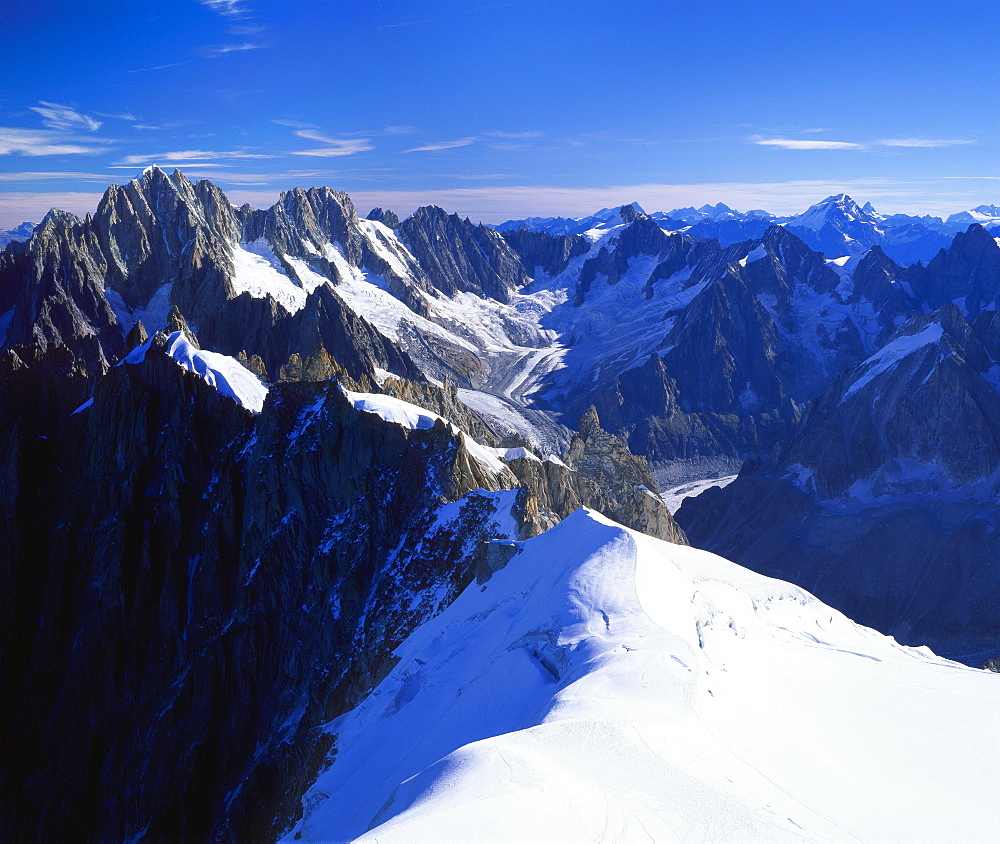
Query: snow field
[
  {"x": 413, "y": 417},
  {"x": 606, "y": 685},
  {"x": 223, "y": 372},
  {"x": 892, "y": 353}
]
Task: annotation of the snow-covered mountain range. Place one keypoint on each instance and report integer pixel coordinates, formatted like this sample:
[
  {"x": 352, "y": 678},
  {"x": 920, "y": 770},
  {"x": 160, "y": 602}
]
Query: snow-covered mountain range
[
  {"x": 18, "y": 233},
  {"x": 836, "y": 226},
  {"x": 269, "y": 444}
]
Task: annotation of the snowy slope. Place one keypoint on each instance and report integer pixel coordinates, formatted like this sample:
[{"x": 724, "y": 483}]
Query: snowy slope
[
  {"x": 609, "y": 686},
  {"x": 223, "y": 372},
  {"x": 411, "y": 416}
]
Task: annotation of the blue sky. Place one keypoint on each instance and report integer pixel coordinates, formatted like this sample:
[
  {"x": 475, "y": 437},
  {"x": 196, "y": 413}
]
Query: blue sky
[{"x": 505, "y": 108}]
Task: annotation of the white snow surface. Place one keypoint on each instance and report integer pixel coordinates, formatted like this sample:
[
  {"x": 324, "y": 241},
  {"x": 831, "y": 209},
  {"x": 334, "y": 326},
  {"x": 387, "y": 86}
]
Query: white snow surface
[
  {"x": 223, "y": 372},
  {"x": 260, "y": 273},
  {"x": 757, "y": 254},
  {"x": 411, "y": 416},
  {"x": 837, "y": 208},
  {"x": 675, "y": 496},
  {"x": 892, "y": 353},
  {"x": 154, "y": 315},
  {"x": 609, "y": 686}
]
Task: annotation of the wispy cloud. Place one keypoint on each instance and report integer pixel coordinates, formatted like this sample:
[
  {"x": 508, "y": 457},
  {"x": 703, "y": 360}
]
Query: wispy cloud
[
  {"x": 798, "y": 143},
  {"x": 190, "y": 155},
  {"x": 65, "y": 118},
  {"x": 404, "y": 24},
  {"x": 514, "y": 136},
  {"x": 348, "y": 147},
  {"x": 925, "y": 142},
  {"x": 155, "y": 67},
  {"x": 439, "y": 145},
  {"x": 334, "y": 147},
  {"x": 224, "y": 49},
  {"x": 227, "y": 8},
  {"x": 42, "y": 142}
]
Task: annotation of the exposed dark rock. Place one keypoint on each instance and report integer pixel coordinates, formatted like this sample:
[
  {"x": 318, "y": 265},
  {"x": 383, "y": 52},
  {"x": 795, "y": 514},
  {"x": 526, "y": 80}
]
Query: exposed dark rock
[
  {"x": 386, "y": 217},
  {"x": 551, "y": 254},
  {"x": 254, "y": 364},
  {"x": 624, "y": 479},
  {"x": 458, "y": 256},
  {"x": 880, "y": 503},
  {"x": 926, "y": 404},
  {"x": 969, "y": 271}
]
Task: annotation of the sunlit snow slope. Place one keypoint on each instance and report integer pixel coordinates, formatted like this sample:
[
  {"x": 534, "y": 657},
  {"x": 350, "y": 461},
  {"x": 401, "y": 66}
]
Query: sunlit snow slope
[{"x": 608, "y": 686}]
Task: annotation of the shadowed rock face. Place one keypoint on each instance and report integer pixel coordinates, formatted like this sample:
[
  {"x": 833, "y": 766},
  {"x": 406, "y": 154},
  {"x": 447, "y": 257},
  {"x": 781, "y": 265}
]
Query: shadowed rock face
[
  {"x": 189, "y": 590},
  {"x": 171, "y": 552},
  {"x": 883, "y": 503},
  {"x": 621, "y": 479},
  {"x": 539, "y": 249},
  {"x": 55, "y": 288},
  {"x": 458, "y": 256}
]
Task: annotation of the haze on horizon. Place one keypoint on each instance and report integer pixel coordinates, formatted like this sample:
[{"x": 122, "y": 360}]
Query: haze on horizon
[{"x": 507, "y": 109}]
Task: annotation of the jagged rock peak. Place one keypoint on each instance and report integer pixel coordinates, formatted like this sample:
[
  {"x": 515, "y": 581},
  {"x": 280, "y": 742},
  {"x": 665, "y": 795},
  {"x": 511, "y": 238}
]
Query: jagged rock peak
[
  {"x": 136, "y": 336},
  {"x": 630, "y": 212},
  {"x": 589, "y": 421},
  {"x": 56, "y": 220},
  {"x": 386, "y": 217},
  {"x": 317, "y": 215},
  {"x": 176, "y": 322},
  {"x": 460, "y": 256}
]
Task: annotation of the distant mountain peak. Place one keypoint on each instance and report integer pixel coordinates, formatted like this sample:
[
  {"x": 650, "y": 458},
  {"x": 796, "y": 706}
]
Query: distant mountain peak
[{"x": 836, "y": 209}]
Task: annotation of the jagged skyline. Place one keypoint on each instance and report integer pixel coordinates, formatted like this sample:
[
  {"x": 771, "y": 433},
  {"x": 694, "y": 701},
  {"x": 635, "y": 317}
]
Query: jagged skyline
[{"x": 506, "y": 110}]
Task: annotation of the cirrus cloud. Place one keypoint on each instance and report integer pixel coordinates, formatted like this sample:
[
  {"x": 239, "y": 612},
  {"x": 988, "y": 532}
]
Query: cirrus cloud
[
  {"x": 439, "y": 145},
  {"x": 334, "y": 147},
  {"x": 65, "y": 118},
  {"x": 925, "y": 142},
  {"x": 798, "y": 143}
]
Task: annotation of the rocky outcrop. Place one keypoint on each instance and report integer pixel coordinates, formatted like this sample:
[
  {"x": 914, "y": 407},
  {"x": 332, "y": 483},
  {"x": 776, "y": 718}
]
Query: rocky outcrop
[
  {"x": 623, "y": 487},
  {"x": 386, "y": 217},
  {"x": 459, "y": 256},
  {"x": 54, "y": 290},
  {"x": 539, "y": 250},
  {"x": 969, "y": 272},
  {"x": 922, "y": 398},
  {"x": 168, "y": 550}
]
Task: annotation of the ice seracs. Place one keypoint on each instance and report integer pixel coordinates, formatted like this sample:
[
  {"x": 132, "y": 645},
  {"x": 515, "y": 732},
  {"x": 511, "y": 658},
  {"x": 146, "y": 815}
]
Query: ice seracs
[{"x": 606, "y": 685}]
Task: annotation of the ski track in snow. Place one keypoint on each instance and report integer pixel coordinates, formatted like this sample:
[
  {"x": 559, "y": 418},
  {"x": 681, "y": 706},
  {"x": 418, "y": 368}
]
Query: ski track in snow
[{"x": 610, "y": 686}]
